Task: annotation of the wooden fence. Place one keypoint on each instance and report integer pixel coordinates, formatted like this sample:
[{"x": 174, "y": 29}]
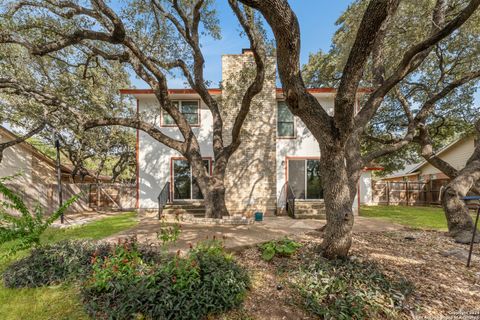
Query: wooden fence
[
  {"x": 112, "y": 196},
  {"x": 91, "y": 196},
  {"x": 407, "y": 192}
]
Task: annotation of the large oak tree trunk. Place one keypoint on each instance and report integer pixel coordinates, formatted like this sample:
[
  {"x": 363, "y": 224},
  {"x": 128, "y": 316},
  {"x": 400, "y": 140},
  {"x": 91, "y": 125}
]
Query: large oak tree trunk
[
  {"x": 215, "y": 206},
  {"x": 212, "y": 187},
  {"x": 460, "y": 224},
  {"x": 337, "y": 238}
]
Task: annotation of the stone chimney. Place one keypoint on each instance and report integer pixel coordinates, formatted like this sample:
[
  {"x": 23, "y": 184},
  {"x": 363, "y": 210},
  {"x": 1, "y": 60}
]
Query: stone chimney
[{"x": 250, "y": 179}]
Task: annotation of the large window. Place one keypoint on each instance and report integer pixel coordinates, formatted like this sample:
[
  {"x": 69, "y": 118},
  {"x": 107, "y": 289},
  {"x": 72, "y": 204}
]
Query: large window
[
  {"x": 189, "y": 108},
  {"x": 285, "y": 121}
]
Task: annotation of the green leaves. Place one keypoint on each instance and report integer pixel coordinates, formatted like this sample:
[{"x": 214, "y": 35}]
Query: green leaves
[
  {"x": 284, "y": 247},
  {"x": 346, "y": 290},
  {"x": 19, "y": 225},
  {"x": 205, "y": 281}
]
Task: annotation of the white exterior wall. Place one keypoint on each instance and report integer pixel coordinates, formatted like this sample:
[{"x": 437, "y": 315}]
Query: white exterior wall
[
  {"x": 154, "y": 157},
  {"x": 365, "y": 188},
  {"x": 303, "y": 145}
]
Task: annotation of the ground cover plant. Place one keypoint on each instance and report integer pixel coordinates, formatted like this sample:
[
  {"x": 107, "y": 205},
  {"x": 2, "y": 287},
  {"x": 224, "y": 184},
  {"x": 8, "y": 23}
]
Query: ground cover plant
[
  {"x": 349, "y": 289},
  {"x": 284, "y": 247}
]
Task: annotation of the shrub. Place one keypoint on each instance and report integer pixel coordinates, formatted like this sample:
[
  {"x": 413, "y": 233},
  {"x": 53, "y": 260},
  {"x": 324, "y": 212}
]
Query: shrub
[
  {"x": 205, "y": 281},
  {"x": 52, "y": 264},
  {"x": 284, "y": 247},
  {"x": 350, "y": 290},
  {"x": 62, "y": 261}
]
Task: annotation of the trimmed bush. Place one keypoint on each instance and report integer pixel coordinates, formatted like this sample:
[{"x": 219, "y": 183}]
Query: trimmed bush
[
  {"x": 346, "y": 289},
  {"x": 206, "y": 281}
]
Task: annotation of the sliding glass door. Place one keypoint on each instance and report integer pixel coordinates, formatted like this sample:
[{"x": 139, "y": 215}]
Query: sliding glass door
[
  {"x": 184, "y": 184},
  {"x": 305, "y": 179}
]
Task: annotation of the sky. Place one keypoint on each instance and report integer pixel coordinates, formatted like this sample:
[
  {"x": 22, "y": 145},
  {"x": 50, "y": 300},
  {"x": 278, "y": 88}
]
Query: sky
[{"x": 317, "y": 25}]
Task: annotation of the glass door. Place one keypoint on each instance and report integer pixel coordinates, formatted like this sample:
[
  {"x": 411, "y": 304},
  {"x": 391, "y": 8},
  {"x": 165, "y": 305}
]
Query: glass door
[
  {"x": 296, "y": 177},
  {"x": 305, "y": 179},
  {"x": 184, "y": 184}
]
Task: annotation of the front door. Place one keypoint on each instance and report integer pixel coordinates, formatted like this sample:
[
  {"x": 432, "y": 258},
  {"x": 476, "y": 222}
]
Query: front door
[
  {"x": 184, "y": 185},
  {"x": 304, "y": 178}
]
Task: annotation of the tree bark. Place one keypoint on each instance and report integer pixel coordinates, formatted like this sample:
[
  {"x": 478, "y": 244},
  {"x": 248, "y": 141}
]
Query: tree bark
[
  {"x": 460, "y": 223},
  {"x": 337, "y": 238}
]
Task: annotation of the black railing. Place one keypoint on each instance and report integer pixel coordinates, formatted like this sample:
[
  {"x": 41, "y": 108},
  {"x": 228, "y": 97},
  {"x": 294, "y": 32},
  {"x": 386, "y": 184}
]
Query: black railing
[
  {"x": 290, "y": 205},
  {"x": 163, "y": 199}
]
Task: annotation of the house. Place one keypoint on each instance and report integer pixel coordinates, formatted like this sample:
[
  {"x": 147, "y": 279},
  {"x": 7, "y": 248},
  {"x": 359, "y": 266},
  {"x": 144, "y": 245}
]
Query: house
[
  {"x": 35, "y": 174},
  {"x": 422, "y": 183},
  {"x": 276, "y": 147},
  {"x": 455, "y": 153}
]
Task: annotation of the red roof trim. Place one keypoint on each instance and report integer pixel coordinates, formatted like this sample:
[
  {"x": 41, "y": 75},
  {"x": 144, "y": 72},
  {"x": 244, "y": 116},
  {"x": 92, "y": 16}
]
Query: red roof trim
[
  {"x": 373, "y": 169},
  {"x": 219, "y": 91},
  {"x": 170, "y": 91}
]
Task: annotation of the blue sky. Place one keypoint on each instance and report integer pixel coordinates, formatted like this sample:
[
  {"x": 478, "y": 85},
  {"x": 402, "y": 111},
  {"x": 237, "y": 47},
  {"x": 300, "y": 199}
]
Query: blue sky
[
  {"x": 317, "y": 23},
  {"x": 317, "y": 26}
]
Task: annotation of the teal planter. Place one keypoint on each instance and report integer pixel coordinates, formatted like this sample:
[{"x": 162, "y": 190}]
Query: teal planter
[{"x": 258, "y": 216}]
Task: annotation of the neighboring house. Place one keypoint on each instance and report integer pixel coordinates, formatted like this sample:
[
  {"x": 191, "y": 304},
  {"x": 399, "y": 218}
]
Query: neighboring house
[
  {"x": 35, "y": 173},
  {"x": 276, "y": 147},
  {"x": 455, "y": 153},
  {"x": 422, "y": 183}
]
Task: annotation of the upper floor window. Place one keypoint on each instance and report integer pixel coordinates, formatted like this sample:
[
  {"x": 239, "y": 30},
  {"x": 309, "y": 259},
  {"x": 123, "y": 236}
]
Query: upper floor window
[
  {"x": 189, "y": 109},
  {"x": 285, "y": 121}
]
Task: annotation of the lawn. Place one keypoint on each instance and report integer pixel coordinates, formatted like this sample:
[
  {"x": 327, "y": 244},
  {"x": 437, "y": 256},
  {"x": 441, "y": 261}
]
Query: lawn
[
  {"x": 55, "y": 302},
  {"x": 415, "y": 217}
]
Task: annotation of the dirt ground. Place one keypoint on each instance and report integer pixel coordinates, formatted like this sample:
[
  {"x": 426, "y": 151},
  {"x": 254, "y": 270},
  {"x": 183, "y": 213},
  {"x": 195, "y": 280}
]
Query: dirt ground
[{"x": 433, "y": 262}]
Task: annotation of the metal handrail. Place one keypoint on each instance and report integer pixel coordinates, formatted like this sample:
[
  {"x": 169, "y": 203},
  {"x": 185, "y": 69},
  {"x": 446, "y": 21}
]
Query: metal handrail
[
  {"x": 290, "y": 200},
  {"x": 163, "y": 198}
]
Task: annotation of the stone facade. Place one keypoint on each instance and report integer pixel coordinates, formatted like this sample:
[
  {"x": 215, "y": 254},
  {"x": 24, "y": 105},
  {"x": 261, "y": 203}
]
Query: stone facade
[{"x": 250, "y": 178}]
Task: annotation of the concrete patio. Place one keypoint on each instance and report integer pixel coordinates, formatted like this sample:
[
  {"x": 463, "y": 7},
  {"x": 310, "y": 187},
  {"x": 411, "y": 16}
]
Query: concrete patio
[{"x": 243, "y": 236}]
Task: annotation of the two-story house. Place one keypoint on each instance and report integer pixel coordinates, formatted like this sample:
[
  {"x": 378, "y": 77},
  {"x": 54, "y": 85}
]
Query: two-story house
[{"x": 276, "y": 148}]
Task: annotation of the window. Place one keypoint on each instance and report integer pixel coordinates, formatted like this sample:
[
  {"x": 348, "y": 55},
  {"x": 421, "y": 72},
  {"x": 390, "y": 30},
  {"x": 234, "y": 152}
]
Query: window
[
  {"x": 189, "y": 109},
  {"x": 285, "y": 121}
]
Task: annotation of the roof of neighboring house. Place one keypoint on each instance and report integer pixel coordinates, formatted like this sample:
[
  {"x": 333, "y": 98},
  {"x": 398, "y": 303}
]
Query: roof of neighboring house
[
  {"x": 66, "y": 169},
  {"x": 33, "y": 150},
  {"x": 412, "y": 169},
  {"x": 218, "y": 91}
]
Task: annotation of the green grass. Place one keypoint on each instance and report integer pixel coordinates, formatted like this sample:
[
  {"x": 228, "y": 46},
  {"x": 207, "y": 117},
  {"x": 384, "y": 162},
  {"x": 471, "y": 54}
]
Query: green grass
[
  {"x": 415, "y": 217},
  {"x": 55, "y": 302}
]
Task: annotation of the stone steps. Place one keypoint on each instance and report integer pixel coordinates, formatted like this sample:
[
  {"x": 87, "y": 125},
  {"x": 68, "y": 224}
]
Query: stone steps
[
  {"x": 197, "y": 209},
  {"x": 310, "y": 210}
]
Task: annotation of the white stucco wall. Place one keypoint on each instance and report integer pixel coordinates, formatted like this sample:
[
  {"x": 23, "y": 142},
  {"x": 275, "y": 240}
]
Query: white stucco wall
[
  {"x": 304, "y": 145},
  {"x": 154, "y": 157}
]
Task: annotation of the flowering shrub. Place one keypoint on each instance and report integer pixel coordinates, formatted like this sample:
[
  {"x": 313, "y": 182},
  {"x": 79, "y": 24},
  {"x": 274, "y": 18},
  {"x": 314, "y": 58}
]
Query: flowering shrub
[{"x": 205, "y": 281}]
